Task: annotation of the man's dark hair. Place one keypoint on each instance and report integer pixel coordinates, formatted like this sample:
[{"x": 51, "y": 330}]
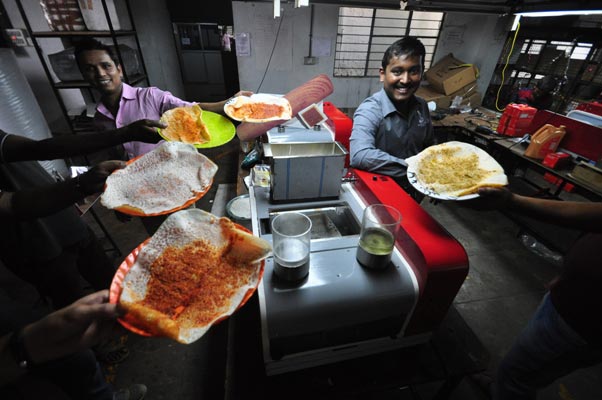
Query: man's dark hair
[
  {"x": 406, "y": 46},
  {"x": 93, "y": 44}
]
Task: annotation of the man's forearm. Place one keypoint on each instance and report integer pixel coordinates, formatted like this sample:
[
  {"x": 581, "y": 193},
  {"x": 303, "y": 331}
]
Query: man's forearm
[
  {"x": 213, "y": 107},
  {"x": 23, "y": 149},
  {"x": 378, "y": 161},
  {"x": 43, "y": 201},
  {"x": 571, "y": 214}
]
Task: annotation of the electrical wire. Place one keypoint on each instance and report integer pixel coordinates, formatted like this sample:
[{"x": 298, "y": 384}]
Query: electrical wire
[
  {"x": 470, "y": 120},
  {"x": 271, "y": 54},
  {"x": 497, "y": 97},
  {"x": 521, "y": 140}
]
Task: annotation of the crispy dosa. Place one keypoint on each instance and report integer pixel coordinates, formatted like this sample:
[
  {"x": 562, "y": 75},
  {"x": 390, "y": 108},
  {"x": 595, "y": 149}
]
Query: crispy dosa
[
  {"x": 454, "y": 169},
  {"x": 161, "y": 181},
  {"x": 185, "y": 124},
  {"x": 196, "y": 270},
  {"x": 258, "y": 108}
]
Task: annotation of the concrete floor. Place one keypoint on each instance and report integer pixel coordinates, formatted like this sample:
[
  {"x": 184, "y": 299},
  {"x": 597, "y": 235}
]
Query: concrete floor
[{"x": 504, "y": 286}]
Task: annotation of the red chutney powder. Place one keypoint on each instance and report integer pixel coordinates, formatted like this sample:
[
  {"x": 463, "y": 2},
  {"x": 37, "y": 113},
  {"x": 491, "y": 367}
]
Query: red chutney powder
[
  {"x": 260, "y": 110},
  {"x": 195, "y": 278}
]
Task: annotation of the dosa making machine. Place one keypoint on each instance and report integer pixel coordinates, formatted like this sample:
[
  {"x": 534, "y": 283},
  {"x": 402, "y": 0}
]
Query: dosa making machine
[{"x": 343, "y": 310}]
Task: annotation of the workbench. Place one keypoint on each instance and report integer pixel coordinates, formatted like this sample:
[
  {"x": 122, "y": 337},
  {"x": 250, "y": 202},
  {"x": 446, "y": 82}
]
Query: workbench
[
  {"x": 508, "y": 151},
  {"x": 527, "y": 176}
]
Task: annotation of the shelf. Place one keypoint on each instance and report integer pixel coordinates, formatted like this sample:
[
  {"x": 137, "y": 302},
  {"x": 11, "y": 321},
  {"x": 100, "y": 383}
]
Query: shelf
[
  {"x": 76, "y": 124},
  {"x": 83, "y": 84},
  {"x": 51, "y": 34}
]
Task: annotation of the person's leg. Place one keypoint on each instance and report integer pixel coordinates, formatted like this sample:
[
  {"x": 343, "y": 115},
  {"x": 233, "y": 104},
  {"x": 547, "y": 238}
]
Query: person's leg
[
  {"x": 151, "y": 224},
  {"x": 546, "y": 350},
  {"x": 93, "y": 263},
  {"x": 60, "y": 279},
  {"x": 79, "y": 376}
]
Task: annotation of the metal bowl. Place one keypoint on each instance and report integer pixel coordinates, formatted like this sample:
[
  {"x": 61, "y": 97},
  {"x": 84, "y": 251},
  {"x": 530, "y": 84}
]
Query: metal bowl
[{"x": 239, "y": 208}]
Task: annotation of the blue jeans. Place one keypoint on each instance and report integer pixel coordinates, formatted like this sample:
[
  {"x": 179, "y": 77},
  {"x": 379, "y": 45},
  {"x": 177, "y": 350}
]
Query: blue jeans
[{"x": 547, "y": 349}]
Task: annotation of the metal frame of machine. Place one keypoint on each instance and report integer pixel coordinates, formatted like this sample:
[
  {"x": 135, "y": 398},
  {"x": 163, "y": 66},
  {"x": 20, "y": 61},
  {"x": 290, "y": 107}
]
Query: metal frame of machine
[{"x": 430, "y": 261}]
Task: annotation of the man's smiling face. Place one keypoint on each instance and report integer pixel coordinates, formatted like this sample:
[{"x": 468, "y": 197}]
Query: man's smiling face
[
  {"x": 100, "y": 71},
  {"x": 402, "y": 77}
]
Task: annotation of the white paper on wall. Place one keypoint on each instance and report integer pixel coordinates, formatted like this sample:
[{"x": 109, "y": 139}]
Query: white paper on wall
[{"x": 243, "y": 44}]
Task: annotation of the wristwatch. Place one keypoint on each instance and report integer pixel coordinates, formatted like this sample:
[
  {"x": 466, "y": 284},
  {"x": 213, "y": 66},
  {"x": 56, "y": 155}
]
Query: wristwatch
[{"x": 18, "y": 350}]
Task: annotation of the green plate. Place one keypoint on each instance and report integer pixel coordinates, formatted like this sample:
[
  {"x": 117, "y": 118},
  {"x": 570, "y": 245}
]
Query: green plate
[{"x": 222, "y": 130}]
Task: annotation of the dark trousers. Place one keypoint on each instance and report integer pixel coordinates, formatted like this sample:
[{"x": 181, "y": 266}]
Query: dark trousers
[
  {"x": 77, "y": 376},
  {"x": 63, "y": 278}
]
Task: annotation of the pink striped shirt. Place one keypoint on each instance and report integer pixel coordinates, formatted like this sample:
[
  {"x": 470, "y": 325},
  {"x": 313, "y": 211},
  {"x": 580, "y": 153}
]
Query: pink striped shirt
[{"x": 137, "y": 103}]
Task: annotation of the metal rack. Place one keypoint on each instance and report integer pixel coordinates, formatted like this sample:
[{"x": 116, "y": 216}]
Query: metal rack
[{"x": 80, "y": 84}]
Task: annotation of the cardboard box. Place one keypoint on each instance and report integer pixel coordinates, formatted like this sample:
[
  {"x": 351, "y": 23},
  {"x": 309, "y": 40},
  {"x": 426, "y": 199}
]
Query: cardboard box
[
  {"x": 448, "y": 75},
  {"x": 588, "y": 174},
  {"x": 429, "y": 94},
  {"x": 469, "y": 95}
]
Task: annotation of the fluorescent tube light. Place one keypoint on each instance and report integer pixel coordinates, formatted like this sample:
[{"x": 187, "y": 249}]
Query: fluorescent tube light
[
  {"x": 301, "y": 3},
  {"x": 558, "y": 13},
  {"x": 276, "y": 8}
]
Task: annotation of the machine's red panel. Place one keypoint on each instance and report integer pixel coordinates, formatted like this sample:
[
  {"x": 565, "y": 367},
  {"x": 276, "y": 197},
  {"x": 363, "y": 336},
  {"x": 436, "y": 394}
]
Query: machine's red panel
[
  {"x": 439, "y": 261},
  {"x": 342, "y": 126},
  {"x": 440, "y": 249}
]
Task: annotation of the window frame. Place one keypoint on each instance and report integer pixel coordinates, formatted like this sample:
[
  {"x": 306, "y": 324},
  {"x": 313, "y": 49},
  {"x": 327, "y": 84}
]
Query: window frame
[{"x": 340, "y": 71}]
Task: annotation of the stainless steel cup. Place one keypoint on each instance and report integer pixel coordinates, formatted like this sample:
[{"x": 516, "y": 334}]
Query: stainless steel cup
[
  {"x": 291, "y": 239},
  {"x": 380, "y": 224}
]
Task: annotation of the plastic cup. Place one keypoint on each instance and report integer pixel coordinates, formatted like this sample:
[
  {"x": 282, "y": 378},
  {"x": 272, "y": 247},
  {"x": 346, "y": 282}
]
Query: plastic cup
[
  {"x": 291, "y": 238},
  {"x": 380, "y": 224}
]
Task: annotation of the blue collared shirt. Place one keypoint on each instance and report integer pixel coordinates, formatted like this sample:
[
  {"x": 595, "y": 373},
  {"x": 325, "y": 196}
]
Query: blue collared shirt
[{"x": 381, "y": 138}]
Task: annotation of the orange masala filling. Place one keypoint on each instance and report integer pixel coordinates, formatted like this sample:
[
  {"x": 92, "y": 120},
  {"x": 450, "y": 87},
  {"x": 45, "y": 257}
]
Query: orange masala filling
[
  {"x": 259, "y": 110},
  {"x": 196, "y": 279}
]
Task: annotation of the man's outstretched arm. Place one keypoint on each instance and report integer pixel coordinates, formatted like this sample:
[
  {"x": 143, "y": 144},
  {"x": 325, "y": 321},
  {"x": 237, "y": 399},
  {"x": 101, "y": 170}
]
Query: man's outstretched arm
[
  {"x": 19, "y": 148},
  {"x": 43, "y": 201},
  {"x": 585, "y": 216}
]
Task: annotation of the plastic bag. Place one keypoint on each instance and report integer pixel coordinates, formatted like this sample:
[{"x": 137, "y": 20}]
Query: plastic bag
[
  {"x": 541, "y": 250},
  {"x": 253, "y": 157},
  {"x": 261, "y": 175}
]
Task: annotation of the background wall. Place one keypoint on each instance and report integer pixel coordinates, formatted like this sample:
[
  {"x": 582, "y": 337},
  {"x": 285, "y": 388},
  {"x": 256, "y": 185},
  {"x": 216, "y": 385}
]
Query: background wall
[
  {"x": 476, "y": 39},
  {"x": 155, "y": 34},
  {"x": 286, "y": 69},
  {"x": 473, "y": 38}
]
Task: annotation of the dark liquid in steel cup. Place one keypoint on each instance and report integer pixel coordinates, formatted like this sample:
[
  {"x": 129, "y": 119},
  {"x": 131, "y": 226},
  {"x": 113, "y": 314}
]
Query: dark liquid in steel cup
[{"x": 291, "y": 260}]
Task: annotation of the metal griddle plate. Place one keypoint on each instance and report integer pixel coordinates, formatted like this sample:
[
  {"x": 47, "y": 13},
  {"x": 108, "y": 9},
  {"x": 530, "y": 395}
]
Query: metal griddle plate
[{"x": 340, "y": 302}]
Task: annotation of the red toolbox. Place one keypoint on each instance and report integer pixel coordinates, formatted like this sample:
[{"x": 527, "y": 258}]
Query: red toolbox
[
  {"x": 516, "y": 119},
  {"x": 556, "y": 160}
]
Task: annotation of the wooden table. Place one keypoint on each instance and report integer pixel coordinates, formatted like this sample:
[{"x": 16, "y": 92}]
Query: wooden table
[
  {"x": 524, "y": 173},
  {"x": 508, "y": 151}
]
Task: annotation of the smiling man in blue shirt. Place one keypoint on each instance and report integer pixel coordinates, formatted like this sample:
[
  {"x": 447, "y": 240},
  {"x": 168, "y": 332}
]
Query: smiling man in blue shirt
[{"x": 393, "y": 124}]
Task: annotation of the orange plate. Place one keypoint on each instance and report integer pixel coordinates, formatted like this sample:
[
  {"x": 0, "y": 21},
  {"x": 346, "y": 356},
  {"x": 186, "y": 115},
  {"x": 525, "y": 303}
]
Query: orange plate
[
  {"x": 116, "y": 288},
  {"x": 136, "y": 213}
]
